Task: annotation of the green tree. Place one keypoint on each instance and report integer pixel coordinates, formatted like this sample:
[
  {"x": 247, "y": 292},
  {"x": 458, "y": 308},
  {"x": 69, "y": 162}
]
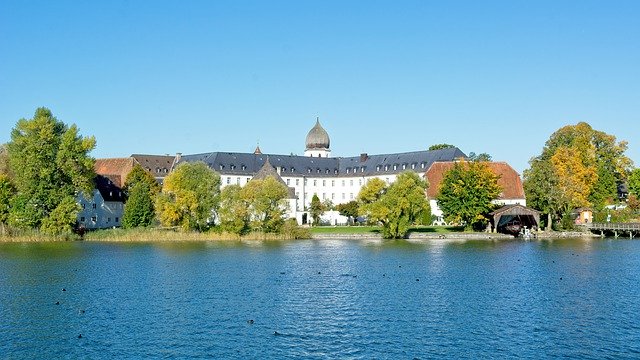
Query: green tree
[
  {"x": 479, "y": 157},
  {"x": 634, "y": 182},
  {"x": 372, "y": 191},
  {"x": 267, "y": 204},
  {"x": 398, "y": 206},
  {"x": 349, "y": 209},
  {"x": 7, "y": 192},
  {"x": 316, "y": 209},
  {"x": 542, "y": 191},
  {"x": 62, "y": 219},
  {"x": 233, "y": 213},
  {"x": 189, "y": 197},
  {"x": 466, "y": 193},
  {"x": 141, "y": 189},
  {"x": 440, "y": 147},
  {"x": 50, "y": 164},
  {"x": 138, "y": 211}
]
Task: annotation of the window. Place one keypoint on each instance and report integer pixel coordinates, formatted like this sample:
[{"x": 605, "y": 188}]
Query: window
[
  {"x": 84, "y": 206},
  {"x": 221, "y": 166},
  {"x": 378, "y": 168},
  {"x": 422, "y": 165},
  {"x": 93, "y": 206},
  {"x": 362, "y": 169},
  {"x": 243, "y": 167},
  {"x": 324, "y": 182},
  {"x": 306, "y": 195},
  {"x": 360, "y": 182},
  {"x": 228, "y": 180},
  {"x": 309, "y": 170},
  {"x": 94, "y": 218},
  {"x": 232, "y": 167},
  {"x": 324, "y": 196},
  {"x": 248, "y": 179},
  {"x": 350, "y": 182},
  {"x": 293, "y": 169},
  {"x": 333, "y": 196},
  {"x": 413, "y": 166},
  {"x": 297, "y": 181},
  {"x": 404, "y": 166},
  {"x": 82, "y": 219},
  {"x": 387, "y": 180},
  {"x": 158, "y": 170},
  {"x": 305, "y": 181},
  {"x": 288, "y": 181},
  {"x": 315, "y": 182},
  {"x": 237, "y": 181},
  {"x": 318, "y": 171},
  {"x": 395, "y": 167},
  {"x": 343, "y": 183},
  {"x": 343, "y": 197},
  {"x": 117, "y": 219},
  {"x": 386, "y": 168},
  {"x": 348, "y": 170},
  {"x": 333, "y": 183},
  {"x": 108, "y": 220},
  {"x": 351, "y": 196},
  {"x": 284, "y": 169}
]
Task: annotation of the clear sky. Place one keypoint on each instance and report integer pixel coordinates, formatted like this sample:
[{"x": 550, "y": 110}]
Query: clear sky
[{"x": 162, "y": 77}]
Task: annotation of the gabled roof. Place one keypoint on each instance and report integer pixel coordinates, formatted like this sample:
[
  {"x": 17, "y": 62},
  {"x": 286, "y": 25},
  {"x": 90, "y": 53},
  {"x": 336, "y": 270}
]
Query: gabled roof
[
  {"x": 108, "y": 189},
  {"x": 268, "y": 171},
  {"x": 116, "y": 169},
  {"x": 515, "y": 209},
  {"x": 509, "y": 179},
  {"x": 157, "y": 165}
]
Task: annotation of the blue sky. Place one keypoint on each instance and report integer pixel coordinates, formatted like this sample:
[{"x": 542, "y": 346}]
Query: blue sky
[{"x": 383, "y": 76}]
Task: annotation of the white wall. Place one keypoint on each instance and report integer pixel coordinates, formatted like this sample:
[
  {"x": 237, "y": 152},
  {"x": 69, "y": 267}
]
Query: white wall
[{"x": 99, "y": 214}]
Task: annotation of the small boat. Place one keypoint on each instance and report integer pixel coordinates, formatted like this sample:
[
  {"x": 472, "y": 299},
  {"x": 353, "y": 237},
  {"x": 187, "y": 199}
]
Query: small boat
[{"x": 513, "y": 228}]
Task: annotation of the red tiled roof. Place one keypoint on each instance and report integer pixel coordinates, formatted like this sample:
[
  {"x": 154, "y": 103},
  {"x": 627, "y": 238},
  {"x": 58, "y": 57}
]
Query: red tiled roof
[
  {"x": 116, "y": 169},
  {"x": 509, "y": 180}
]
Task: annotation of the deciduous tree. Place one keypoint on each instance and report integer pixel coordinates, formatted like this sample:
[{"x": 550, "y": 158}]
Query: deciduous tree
[
  {"x": 316, "y": 209},
  {"x": 7, "y": 192},
  {"x": 50, "y": 164},
  {"x": 397, "y": 206},
  {"x": 466, "y": 193},
  {"x": 189, "y": 197},
  {"x": 267, "y": 204},
  {"x": 234, "y": 210},
  {"x": 141, "y": 189}
]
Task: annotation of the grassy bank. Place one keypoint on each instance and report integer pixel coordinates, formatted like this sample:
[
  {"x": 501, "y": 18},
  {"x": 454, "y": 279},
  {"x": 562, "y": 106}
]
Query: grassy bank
[
  {"x": 377, "y": 229},
  {"x": 156, "y": 234}
]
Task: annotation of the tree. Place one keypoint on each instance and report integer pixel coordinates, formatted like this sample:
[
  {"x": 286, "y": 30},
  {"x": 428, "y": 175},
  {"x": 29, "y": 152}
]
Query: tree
[
  {"x": 138, "y": 211},
  {"x": 372, "y": 191},
  {"x": 7, "y": 192},
  {"x": 350, "y": 209},
  {"x": 267, "y": 205},
  {"x": 479, "y": 157},
  {"x": 466, "y": 193},
  {"x": 141, "y": 189},
  {"x": 593, "y": 153},
  {"x": 189, "y": 197},
  {"x": 50, "y": 164},
  {"x": 634, "y": 182},
  {"x": 233, "y": 213},
  {"x": 398, "y": 206},
  {"x": 316, "y": 209},
  {"x": 62, "y": 219},
  {"x": 440, "y": 147}
]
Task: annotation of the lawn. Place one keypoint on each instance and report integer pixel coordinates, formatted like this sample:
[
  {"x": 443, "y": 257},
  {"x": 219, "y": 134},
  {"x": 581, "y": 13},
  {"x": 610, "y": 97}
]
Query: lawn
[{"x": 376, "y": 229}]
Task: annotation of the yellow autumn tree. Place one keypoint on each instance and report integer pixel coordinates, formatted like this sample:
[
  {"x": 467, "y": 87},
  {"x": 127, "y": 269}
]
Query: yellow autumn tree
[{"x": 576, "y": 177}]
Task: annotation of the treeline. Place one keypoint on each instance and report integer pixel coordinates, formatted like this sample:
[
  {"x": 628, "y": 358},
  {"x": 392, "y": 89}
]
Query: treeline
[{"x": 46, "y": 166}]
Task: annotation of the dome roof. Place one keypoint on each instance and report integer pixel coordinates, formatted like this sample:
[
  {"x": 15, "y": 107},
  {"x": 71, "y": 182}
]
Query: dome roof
[{"x": 317, "y": 138}]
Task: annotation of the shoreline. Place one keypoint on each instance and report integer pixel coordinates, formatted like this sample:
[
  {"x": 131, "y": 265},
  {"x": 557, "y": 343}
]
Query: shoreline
[{"x": 160, "y": 236}]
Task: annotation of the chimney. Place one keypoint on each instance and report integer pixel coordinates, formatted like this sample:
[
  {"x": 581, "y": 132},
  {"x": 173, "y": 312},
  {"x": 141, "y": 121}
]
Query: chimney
[
  {"x": 363, "y": 157},
  {"x": 178, "y": 157}
]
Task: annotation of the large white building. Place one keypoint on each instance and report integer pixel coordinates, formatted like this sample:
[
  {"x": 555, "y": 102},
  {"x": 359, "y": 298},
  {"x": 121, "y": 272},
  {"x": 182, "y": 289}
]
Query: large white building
[{"x": 338, "y": 179}]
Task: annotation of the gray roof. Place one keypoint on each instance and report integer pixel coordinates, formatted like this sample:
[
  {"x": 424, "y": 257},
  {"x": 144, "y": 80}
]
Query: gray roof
[
  {"x": 317, "y": 138},
  {"x": 248, "y": 164},
  {"x": 266, "y": 171}
]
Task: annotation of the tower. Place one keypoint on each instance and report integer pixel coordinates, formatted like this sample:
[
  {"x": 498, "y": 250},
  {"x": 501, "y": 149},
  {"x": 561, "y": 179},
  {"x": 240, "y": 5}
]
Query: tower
[{"x": 317, "y": 144}]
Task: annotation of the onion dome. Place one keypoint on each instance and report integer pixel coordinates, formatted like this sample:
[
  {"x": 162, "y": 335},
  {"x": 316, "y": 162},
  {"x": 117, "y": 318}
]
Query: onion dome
[{"x": 317, "y": 138}]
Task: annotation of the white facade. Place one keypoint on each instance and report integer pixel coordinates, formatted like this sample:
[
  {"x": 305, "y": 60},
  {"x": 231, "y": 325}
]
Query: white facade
[{"x": 97, "y": 213}]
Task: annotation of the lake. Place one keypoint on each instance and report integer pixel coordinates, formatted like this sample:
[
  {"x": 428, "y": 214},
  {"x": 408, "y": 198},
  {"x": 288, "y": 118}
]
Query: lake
[{"x": 321, "y": 299}]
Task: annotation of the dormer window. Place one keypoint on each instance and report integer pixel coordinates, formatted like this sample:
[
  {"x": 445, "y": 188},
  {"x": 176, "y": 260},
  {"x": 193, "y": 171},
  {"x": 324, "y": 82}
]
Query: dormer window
[
  {"x": 422, "y": 165},
  {"x": 348, "y": 170},
  {"x": 309, "y": 170},
  {"x": 404, "y": 166},
  {"x": 386, "y": 168},
  {"x": 284, "y": 169},
  {"x": 327, "y": 171},
  {"x": 243, "y": 167},
  {"x": 395, "y": 167},
  {"x": 362, "y": 169},
  {"x": 232, "y": 167},
  {"x": 413, "y": 166},
  {"x": 221, "y": 166},
  {"x": 318, "y": 171},
  {"x": 293, "y": 169}
]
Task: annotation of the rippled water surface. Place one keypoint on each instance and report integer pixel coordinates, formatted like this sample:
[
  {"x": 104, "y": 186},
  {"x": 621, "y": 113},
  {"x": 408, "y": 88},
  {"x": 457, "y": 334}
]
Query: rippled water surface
[{"x": 321, "y": 299}]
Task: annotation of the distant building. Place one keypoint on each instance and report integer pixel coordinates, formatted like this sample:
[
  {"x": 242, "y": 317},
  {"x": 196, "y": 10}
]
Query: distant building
[
  {"x": 509, "y": 180},
  {"x": 337, "y": 179}
]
